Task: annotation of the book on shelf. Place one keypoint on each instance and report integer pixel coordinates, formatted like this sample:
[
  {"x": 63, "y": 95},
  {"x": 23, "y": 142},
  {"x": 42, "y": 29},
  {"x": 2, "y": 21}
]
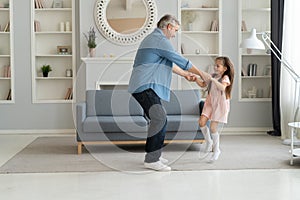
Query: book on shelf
[
  {"x": 182, "y": 48},
  {"x": 7, "y": 27},
  {"x": 6, "y": 71},
  {"x": 214, "y": 25},
  {"x": 39, "y": 4},
  {"x": 244, "y": 27},
  {"x": 69, "y": 94},
  {"x": 37, "y": 26},
  {"x": 9, "y": 95},
  {"x": 252, "y": 69},
  {"x": 243, "y": 72}
]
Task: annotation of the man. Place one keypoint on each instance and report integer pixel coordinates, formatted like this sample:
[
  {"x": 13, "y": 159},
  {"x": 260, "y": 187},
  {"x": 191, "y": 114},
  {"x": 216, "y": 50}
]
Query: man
[{"x": 150, "y": 82}]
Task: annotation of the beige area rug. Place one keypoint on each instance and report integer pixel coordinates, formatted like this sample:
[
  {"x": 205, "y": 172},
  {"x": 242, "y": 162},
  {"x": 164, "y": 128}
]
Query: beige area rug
[{"x": 58, "y": 154}]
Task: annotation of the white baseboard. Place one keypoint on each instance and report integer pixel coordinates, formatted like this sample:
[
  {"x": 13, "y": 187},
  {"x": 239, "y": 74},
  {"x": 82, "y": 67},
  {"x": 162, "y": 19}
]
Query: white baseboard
[
  {"x": 225, "y": 131},
  {"x": 245, "y": 130},
  {"x": 38, "y": 132}
]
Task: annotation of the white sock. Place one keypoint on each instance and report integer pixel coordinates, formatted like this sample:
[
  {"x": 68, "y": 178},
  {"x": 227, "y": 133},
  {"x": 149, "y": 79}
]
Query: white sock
[
  {"x": 208, "y": 141},
  {"x": 216, "y": 146}
]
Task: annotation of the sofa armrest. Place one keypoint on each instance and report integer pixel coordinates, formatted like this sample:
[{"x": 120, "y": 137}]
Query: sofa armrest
[{"x": 80, "y": 116}]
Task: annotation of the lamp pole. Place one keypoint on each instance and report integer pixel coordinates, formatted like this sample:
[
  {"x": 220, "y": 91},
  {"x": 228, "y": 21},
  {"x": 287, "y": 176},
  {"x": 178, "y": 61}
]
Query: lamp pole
[{"x": 269, "y": 43}]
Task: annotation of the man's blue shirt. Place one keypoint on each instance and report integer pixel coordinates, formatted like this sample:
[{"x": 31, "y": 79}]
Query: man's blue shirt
[{"x": 153, "y": 64}]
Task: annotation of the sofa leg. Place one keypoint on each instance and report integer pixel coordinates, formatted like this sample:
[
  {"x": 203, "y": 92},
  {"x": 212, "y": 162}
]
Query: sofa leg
[{"x": 79, "y": 148}]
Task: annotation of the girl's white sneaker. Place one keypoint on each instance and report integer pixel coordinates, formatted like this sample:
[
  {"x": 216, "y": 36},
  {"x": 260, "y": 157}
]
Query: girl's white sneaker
[{"x": 215, "y": 156}]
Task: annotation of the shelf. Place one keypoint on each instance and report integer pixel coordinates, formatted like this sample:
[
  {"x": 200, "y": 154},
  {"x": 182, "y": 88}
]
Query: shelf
[
  {"x": 200, "y": 55},
  {"x": 199, "y": 9},
  {"x": 254, "y": 99},
  {"x": 256, "y": 55},
  {"x": 53, "y": 89},
  {"x": 256, "y": 14},
  {"x": 52, "y": 9},
  {"x": 257, "y": 10},
  {"x": 260, "y": 33},
  {"x": 6, "y": 102},
  {"x": 54, "y": 55},
  {"x": 54, "y": 78},
  {"x": 256, "y": 77},
  {"x": 199, "y": 32},
  {"x": 6, "y": 58},
  {"x": 52, "y": 32},
  {"x": 200, "y": 45}
]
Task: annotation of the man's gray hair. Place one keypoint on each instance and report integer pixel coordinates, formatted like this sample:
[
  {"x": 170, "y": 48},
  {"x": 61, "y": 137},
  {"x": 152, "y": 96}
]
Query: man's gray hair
[{"x": 167, "y": 19}]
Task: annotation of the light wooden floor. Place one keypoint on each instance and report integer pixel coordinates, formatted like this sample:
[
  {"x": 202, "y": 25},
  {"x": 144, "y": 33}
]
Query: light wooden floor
[{"x": 206, "y": 184}]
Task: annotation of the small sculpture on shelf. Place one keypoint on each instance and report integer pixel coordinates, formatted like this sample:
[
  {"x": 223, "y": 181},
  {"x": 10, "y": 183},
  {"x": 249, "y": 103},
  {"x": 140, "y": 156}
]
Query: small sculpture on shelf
[
  {"x": 188, "y": 17},
  {"x": 91, "y": 39},
  {"x": 46, "y": 69}
]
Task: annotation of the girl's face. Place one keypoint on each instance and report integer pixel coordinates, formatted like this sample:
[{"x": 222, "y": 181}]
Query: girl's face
[{"x": 219, "y": 67}]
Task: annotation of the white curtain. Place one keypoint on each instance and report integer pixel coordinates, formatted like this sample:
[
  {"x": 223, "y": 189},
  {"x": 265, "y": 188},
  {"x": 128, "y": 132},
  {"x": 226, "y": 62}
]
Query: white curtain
[{"x": 291, "y": 52}]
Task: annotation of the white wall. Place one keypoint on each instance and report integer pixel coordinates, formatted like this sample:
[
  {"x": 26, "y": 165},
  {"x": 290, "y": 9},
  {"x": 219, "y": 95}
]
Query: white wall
[{"x": 25, "y": 115}]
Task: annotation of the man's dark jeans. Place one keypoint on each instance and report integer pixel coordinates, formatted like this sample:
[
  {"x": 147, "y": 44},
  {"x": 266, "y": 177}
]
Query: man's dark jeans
[{"x": 153, "y": 109}]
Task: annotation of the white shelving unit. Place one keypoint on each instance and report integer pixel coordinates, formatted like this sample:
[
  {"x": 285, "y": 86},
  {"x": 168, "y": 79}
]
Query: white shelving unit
[
  {"x": 254, "y": 86},
  {"x": 199, "y": 41},
  {"x": 52, "y": 34},
  {"x": 6, "y": 55}
]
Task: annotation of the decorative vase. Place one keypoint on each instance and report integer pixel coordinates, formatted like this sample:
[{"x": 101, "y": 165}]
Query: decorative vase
[
  {"x": 45, "y": 74},
  {"x": 92, "y": 52}
]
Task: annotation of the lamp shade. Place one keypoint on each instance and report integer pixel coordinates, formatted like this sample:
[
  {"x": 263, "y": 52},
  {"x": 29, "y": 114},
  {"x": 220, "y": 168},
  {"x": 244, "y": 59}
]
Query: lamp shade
[{"x": 252, "y": 42}]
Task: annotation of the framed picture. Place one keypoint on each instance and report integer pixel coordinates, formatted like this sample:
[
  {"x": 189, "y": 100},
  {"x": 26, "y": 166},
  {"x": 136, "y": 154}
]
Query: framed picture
[
  {"x": 64, "y": 50},
  {"x": 57, "y": 4}
]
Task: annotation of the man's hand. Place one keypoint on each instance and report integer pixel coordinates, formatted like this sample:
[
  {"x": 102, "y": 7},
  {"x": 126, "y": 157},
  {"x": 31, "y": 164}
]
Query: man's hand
[{"x": 191, "y": 77}]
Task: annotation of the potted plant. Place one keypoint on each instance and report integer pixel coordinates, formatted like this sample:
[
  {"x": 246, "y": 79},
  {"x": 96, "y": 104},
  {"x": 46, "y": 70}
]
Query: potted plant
[
  {"x": 91, "y": 39},
  {"x": 46, "y": 69}
]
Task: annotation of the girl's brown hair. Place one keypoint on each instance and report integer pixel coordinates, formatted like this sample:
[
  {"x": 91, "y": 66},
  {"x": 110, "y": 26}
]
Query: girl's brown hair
[{"x": 229, "y": 72}]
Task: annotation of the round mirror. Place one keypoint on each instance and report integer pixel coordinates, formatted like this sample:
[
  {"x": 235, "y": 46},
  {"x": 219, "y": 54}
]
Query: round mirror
[{"x": 125, "y": 21}]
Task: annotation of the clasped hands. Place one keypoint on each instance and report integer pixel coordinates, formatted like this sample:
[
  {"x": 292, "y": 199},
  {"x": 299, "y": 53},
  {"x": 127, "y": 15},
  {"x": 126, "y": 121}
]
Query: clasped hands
[{"x": 193, "y": 77}]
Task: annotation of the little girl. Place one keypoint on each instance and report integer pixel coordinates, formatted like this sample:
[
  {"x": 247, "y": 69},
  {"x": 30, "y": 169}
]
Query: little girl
[{"x": 216, "y": 106}]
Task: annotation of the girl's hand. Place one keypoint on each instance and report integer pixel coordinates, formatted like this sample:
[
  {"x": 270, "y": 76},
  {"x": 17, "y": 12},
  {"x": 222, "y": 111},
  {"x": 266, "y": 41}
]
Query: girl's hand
[{"x": 191, "y": 77}]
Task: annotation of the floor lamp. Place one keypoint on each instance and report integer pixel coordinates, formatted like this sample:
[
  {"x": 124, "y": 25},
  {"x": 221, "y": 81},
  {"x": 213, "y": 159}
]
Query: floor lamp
[{"x": 254, "y": 43}]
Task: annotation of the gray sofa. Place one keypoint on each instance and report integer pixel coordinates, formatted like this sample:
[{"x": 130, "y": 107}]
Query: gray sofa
[{"x": 115, "y": 116}]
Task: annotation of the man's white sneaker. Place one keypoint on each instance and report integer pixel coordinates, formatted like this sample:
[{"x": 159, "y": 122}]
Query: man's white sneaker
[
  {"x": 157, "y": 166},
  {"x": 163, "y": 160}
]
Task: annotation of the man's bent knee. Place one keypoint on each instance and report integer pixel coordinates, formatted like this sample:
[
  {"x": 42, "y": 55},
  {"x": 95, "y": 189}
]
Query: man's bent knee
[{"x": 158, "y": 117}]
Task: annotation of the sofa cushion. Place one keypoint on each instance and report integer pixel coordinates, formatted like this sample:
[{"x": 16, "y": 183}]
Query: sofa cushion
[
  {"x": 109, "y": 124},
  {"x": 183, "y": 102},
  {"x": 112, "y": 102},
  {"x": 182, "y": 123}
]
